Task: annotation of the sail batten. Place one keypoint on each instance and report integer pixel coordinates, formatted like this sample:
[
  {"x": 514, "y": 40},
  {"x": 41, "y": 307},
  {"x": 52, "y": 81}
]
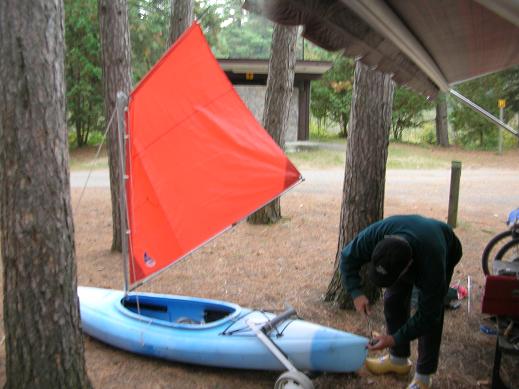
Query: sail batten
[{"x": 198, "y": 160}]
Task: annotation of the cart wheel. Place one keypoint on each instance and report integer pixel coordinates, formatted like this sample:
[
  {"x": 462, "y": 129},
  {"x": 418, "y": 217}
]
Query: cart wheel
[{"x": 293, "y": 380}]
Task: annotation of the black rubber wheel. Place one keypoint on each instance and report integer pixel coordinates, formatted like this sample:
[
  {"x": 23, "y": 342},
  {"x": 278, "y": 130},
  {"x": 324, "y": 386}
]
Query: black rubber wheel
[
  {"x": 509, "y": 252},
  {"x": 500, "y": 239}
]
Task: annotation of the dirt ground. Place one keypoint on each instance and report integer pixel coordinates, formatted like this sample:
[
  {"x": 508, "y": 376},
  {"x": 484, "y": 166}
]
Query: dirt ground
[{"x": 292, "y": 262}]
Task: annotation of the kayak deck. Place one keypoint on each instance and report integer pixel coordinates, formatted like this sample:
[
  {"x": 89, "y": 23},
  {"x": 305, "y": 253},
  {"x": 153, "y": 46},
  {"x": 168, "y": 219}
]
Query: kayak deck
[{"x": 213, "y": 333}]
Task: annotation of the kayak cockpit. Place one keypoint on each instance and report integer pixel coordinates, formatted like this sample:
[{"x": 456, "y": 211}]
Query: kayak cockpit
[{"x": 178, "y": 309}]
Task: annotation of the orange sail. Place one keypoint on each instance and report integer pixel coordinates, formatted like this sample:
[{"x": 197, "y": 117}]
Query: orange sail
[{"x": 197, "y": 159}]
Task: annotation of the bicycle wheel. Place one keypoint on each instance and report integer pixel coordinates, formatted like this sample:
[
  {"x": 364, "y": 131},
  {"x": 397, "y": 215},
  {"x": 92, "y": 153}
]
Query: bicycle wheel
[
  {"x": 509, "y": 252},
  {"x": 494, "y": 246}
]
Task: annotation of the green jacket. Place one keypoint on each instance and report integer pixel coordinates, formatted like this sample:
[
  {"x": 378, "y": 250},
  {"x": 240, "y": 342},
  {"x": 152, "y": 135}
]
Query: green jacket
[{"x": 436, "y": 250}]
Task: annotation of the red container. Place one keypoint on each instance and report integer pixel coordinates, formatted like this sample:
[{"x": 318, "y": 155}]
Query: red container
[{"x": 501, "y": 296}]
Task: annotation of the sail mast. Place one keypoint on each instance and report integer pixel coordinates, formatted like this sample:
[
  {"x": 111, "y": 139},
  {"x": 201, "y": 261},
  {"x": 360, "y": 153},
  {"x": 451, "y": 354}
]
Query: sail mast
[{"x": 121, "y": 106}]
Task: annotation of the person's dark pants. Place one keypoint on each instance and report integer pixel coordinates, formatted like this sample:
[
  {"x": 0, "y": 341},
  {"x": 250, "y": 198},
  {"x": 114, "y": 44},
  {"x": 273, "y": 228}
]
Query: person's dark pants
[
  {"x": 397, "y": 308},
  {"x": 397, "y": 305}
]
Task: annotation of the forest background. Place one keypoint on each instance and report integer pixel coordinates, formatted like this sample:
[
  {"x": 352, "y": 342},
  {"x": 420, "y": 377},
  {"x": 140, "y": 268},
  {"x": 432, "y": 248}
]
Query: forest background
[{"x": 234, "y": 33}]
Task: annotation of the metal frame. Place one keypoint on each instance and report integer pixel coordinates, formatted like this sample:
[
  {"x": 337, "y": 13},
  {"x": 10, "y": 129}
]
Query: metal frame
[
  {"x": 121, "y": 106},
  {"x": 378, "y": 14},
  {"x": 271, "y": 346},
  {"x": 481, "y": 111}
]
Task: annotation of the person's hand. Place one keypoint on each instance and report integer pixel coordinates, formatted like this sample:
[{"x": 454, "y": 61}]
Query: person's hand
[
  {"x": 362, "y": 304},
  {"x": 381, "y": 342}
]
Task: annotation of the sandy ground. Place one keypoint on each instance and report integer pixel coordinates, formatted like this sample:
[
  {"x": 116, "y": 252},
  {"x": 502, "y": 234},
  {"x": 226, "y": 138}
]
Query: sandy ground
[{"x": 292, "y": 262}]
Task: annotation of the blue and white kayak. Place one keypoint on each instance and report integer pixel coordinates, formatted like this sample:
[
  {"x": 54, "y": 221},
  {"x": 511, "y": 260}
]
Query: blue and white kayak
[{"x": 213, "y": 333}]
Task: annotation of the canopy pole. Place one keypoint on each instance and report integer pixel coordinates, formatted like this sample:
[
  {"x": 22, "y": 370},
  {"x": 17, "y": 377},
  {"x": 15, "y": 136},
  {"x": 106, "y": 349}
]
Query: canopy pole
[
  {"x": 121, "y": 106},
  {"x": 379, "y": 15},
  {"x": 484, "y": 113}
]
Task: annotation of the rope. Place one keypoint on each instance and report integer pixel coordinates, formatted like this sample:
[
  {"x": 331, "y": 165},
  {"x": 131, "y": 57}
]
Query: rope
[{"x": 95, "y": 158}]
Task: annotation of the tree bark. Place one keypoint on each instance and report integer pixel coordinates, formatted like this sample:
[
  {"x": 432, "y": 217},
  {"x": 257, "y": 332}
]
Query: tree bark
[
  {"x": 43, "y": 340},
  {"x": 280, "y": 85},
  {"x": 117, "y": 76},
  {"x": 442, "y": 126},
  {"x": 182, "y": 16},
  {"x": 365, "y": 173}
]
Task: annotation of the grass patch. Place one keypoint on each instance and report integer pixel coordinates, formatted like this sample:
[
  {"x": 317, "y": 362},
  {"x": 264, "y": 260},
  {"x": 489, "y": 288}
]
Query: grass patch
[
  {"x": 84, "y": 158},
  {"x": 333, "y": 155},
  {"x": 317, "y": 158},
  {"x": 401, "y": 156}
]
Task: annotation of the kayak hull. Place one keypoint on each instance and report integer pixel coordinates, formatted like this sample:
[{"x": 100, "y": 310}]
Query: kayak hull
[{"x": 212, "y": 333}]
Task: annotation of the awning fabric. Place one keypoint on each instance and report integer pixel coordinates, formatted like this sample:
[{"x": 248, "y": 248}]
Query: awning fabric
[{"x": 425, "y": 44}]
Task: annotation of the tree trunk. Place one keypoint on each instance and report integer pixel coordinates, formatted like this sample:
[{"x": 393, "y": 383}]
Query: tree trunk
[
  {"x": 442, "y": 126},
  {"x": 43, "y": 340},
  {"x": 182, "y": 16},
  {"x": 117, "y": 76},
  {"x": 280, "y": 85},
  {"x": 365, "y": 173}
]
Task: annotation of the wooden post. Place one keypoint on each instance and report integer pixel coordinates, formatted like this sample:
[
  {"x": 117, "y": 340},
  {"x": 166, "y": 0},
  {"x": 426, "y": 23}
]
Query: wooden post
[
  {"x": 500, "y": 139},
  {"x": 454, "y": 193}
]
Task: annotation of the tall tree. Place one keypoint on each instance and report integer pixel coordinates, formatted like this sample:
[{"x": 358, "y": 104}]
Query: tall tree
[
  {"x": 331, "y": 95},
  {"x": 280, "y": 85},
  {"x": 43, "y": 340},
  {"x": 365, "y": 173},
  {"x": 181, "y": 18},
  {"x": 407, "y": 111},
  {"x": 442, "y": 127},
  {"x": 149, "y": 26},
  {"x": 83, "y": 69},
  {"x": 115, "y": 44}
]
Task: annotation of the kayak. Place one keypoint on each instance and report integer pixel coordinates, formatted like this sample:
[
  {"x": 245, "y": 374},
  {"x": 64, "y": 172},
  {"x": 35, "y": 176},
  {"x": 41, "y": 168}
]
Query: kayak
[{"x": 213, "y": 333}]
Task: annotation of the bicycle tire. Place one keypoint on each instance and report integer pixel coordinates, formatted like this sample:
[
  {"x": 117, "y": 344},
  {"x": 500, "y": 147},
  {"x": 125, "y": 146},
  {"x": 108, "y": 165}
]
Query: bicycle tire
[
  {"x": 513, "y": 233},
  {"x": 503, "y": 250}
]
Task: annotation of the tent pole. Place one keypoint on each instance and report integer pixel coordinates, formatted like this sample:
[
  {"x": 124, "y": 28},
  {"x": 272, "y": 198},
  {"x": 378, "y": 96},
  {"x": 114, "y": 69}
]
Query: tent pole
[
  {"x": 481, "y": 111},
  {"x": 121, "y": 106}
]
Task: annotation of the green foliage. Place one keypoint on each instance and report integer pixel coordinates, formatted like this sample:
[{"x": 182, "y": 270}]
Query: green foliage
[
  {"x": 331, "y": 95},
  {"x": 321, "y": 130},
  {"x": 428, "y": 135},
  {"x": 471, "y": 129},
  {"x": 407, "y": 111},
  {"x": 309, "y": 52},
  {"x": 231, "y": 31},
  {"x": 241, "y": 34},
  {"x": 149, "y": 26},
  {"x": 511, "y": 91},
  {"x": 83, "y": 69}
]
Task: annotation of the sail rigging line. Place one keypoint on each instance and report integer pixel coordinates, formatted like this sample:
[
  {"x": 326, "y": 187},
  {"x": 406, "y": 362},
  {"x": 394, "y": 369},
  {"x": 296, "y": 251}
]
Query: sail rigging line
[
  {"x": 121, "y": 106},
  {"x": 151, "y": 276},
  {"x": 122, "y": 137},
  {"x": 94, "y": 159},
  {"x": 239, "y": 318}
]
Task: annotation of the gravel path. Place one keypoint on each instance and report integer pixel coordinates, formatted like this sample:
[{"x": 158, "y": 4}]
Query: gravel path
[{"x": 489, "y": 190}]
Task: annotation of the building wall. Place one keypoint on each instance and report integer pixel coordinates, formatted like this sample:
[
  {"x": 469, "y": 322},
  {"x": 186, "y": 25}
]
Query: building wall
[{"x": 254, "y": 97}]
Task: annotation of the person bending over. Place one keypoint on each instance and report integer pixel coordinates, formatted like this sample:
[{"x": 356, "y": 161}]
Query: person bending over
[{"x": 401, "y": 252}]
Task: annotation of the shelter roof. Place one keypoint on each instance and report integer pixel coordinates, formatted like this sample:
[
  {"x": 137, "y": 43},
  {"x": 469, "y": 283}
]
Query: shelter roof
[
  {"x": 310, "y": 69},
  {"x": 427, "y": 45}
]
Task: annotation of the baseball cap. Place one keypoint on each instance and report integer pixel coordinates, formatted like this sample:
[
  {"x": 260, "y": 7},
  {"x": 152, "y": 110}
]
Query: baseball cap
[{"x": 389, "y": 259}]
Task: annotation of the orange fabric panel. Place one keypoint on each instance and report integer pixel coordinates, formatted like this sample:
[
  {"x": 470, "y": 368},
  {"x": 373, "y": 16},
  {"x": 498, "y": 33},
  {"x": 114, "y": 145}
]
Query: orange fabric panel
[{"x": 198, "y": 160}]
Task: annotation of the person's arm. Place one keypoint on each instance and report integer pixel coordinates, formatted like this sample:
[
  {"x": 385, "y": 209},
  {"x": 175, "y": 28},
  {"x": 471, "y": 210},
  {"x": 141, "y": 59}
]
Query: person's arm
[{"x": 351, "y": 263}]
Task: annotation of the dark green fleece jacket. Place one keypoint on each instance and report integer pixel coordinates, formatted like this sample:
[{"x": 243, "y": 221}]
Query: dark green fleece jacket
[{"x": 435, "y": 249}]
